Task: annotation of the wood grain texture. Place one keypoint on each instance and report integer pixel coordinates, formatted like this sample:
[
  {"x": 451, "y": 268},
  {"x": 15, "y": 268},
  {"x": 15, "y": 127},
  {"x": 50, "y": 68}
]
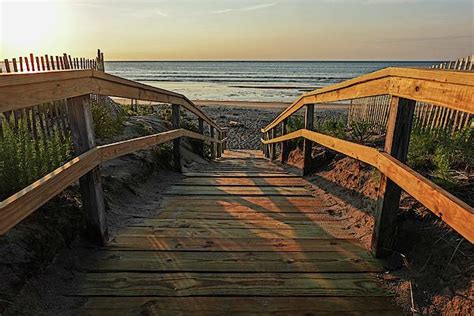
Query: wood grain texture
[
  {"x": 311, "y": 215},
  {"x": 230, "y": 181},
  {"x": 217, "y": 233},
  {"x": 456, "y": 213},
  {"x": 211, "y": 306},
  {"x": 18, "y": 206},
  {"x": 176, "y": 261},
  {"x": 238, "y": 284},
  {"x": 19, "y": 90},
  {"x": 156, "y": 243},
  {"x": 237, "y": 190}
]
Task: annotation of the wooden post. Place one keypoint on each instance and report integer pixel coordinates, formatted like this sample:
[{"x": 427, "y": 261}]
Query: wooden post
[
  {"x": 307, "y": 144},
  {"x": 219, "y": 145},
  {"x": 284, "y": 145},
  {"x": 272, "y": 146},
  {"x": 264, "y": 147},
  {"x": 396, "y": 144},
  {"x": 177, "y": 141},
  {"x": 82, "y": 129},
  {"x": 213, "y": 144},
  {"x": 224, "y": 144},
  {"x": 201, "y": 131}
]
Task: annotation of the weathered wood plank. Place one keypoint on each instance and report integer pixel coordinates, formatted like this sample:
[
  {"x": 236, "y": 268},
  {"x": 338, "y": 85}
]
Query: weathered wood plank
[
  {"x": 157, "y": 243},
  {"x": 245, "y": 215},
  {"x": 233, "y": 190},
  {"x": 388, "y": 200},
  {"x": 211, "y": 306},
  {"x": 239, "y": 174},
  {"x": 225, "y": 233},
  {"x": 83, "y": 135},
  {"x": 222, "y": 224},
  {"x": 229, "y": 181},
  {"x": 176, "y": 261},
  {"x": 225, "y": 284}
]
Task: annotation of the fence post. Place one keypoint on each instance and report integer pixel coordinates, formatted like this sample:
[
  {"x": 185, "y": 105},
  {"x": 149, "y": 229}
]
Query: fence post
[
  {"x": 396, "y": 144},
  {"x": 264, "y": 146},
  {"x": 224, "y": 144},
  {"x": 219, "y": 145},
  {"x": 284, "y": 144},
  {"x": 201, "y": 131},
  {"x": 82, "y": 130},
  {"x": 272, "y": 146},
  {"x": 213, "y": 143},
  {"x": 176, "y": 141},
  {"x": 307, "y": 144}
]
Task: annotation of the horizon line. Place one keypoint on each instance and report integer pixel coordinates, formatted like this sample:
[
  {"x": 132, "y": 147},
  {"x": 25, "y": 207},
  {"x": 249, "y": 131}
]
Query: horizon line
[{"x": 274, "y": 60}]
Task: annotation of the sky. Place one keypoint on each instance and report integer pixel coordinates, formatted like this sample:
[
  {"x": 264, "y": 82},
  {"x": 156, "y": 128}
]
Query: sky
[{"x": 239, "y": 29}]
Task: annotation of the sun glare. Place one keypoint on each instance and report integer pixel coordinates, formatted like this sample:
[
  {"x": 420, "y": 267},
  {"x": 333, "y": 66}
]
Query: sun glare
[{"x": 29, "y": 26}]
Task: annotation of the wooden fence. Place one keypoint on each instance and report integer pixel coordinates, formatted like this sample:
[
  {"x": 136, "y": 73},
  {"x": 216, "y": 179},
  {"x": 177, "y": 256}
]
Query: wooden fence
[
  {"x": 375, "y": 110},
  {"x": 452, "y": 90},
  {"x": 43, "y": 129},
  {"x": 47, "y": 63},
  {"x": 19, "y": 91}
]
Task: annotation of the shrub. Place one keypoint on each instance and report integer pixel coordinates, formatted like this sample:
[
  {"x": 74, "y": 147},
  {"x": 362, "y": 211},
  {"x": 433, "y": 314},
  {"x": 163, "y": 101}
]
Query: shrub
[
  {"x": 334, "y": 127},
  {"x": 24, "y": 158},
  {"x": 439, "y": 153},
  {"x": 361, "y": 131},
  {"x": 295, "y": 123},
  {"x": 106, "y": 124}
]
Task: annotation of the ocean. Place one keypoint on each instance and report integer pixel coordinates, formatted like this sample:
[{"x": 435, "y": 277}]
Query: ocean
[{"x": 270, "y": 81}]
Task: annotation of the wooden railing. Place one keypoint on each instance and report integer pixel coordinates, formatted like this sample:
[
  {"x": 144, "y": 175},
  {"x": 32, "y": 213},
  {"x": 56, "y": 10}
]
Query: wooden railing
[
  {"x": 450, "y": 89},
  {"x": 19, "y": 91}
]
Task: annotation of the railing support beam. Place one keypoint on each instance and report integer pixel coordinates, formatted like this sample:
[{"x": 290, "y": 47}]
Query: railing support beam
[
  {"x": 396, "y": 144},
  {"x": 201, "y": 131},
  {"x": 219, "y": 145},
  {"x": 265, "y": 146},
  {"x": 284, "y": 145},
  {"x": 213, "y": 144},
  {"x": 272, "y": 146},
  {"x": 307, "y": 144},
  {"x": 177, "y": 141},
  {"x": 83, "y": 136}
]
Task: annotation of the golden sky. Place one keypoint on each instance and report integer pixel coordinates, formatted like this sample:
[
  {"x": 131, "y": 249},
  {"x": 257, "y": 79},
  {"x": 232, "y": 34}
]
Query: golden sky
[{"x": 239, "y": 29}]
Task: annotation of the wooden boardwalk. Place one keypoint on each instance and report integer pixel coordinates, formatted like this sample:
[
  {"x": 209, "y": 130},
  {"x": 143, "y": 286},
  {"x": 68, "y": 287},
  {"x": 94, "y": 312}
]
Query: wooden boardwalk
[{"x": 240, "y": 236}]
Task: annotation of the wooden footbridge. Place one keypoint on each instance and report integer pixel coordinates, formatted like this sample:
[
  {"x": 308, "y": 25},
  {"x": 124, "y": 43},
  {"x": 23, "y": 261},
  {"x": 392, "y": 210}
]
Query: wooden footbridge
[{"x": 239, "y": 235}]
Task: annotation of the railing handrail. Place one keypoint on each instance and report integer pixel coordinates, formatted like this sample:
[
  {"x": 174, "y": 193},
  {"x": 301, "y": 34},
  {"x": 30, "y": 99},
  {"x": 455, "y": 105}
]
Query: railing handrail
[
  {"x": 21, "y": 204},
  {"x": 21, "y": 90},
  {"x": 456, "y": 213},
  {"x": 449, "y": 88}
]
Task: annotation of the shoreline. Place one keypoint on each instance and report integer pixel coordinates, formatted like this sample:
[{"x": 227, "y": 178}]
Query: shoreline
[{"x": 273, "y": 105}]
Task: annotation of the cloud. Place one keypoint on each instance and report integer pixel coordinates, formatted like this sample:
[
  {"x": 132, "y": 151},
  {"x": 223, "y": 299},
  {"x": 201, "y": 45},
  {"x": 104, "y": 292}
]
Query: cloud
[
  {"x": 249, "y": 8},
  {"x": 259, "y": 6}
]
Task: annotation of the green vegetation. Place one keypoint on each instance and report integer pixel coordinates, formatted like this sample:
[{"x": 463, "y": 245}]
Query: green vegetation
[
  {"x": 448, "y": 159},
  {"x": 24, "y": 158},
  {"x": 361, "y": 131},
  {"x": 334, "y": 127},
  {"x": 105, "y": 123}
]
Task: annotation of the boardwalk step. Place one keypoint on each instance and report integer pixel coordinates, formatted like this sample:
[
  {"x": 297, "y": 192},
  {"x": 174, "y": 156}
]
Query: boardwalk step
[
  {"x": 240, "y": 191},
  {"x": 268, "y": 223},
  {"x": 230, "y": 181},
  {"x": 236, "y": 214},
  {"x": 227, "y": 284},
  {"x": 211, "y": 306},
  {"x": 158, "y": 243},
  {"x": 239, "y": 174},
  {"x": 238, "y": 236},
  {"x": 225, "y": 233},
  {"x": 149, "y": 261}
]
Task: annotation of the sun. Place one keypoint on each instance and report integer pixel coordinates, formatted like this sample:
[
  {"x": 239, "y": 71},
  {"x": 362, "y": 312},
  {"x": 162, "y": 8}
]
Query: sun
[{"x": 29, "y": 26}]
